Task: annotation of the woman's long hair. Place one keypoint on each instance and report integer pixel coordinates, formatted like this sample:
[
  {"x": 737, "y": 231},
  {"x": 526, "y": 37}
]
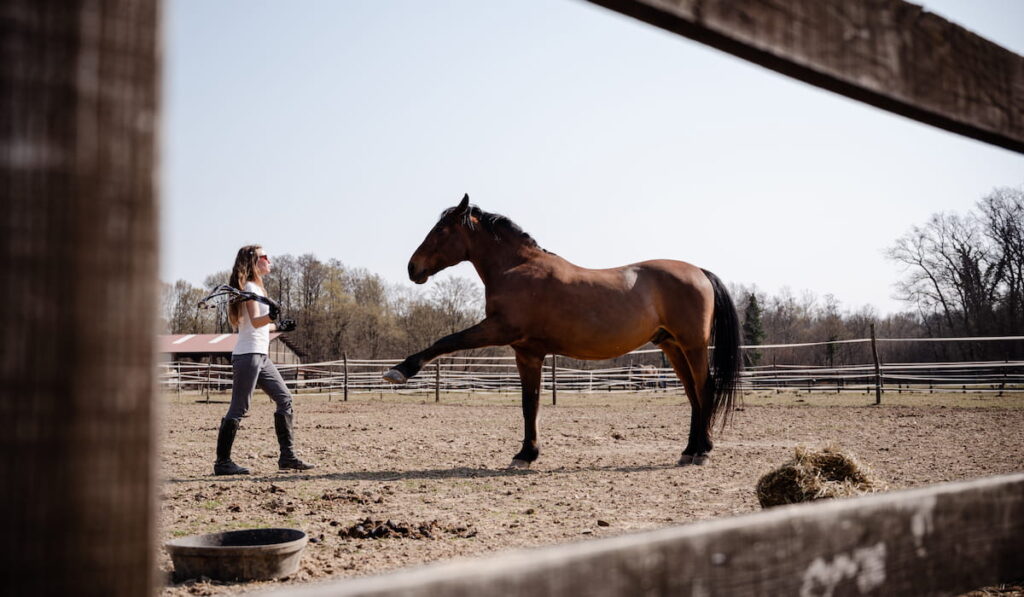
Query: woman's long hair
[{"x": 243, "y": 271}]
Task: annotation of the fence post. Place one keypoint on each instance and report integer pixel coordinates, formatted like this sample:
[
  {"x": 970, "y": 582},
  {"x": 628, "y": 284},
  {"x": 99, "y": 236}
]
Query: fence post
[
  {"x": 344, "y": 360},
  {"x": 878, "y": 367},
  {"x": 554, "y": 379},
  {"x": 330, "y": 386},
  {"x": 209, "y": 372},
  {"x": 437, "y": 380},
  {"x": 80, "y": 132}
]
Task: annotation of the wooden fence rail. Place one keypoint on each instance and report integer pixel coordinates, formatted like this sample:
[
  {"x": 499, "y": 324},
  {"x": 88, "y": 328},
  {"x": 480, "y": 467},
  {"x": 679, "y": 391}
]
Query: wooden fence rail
[
  {"x": 862, "y": 372},
  {"x": 939, "y": 540},
  {"x": 1002, "y": 377},
  {"x": 891, "y": 54}
]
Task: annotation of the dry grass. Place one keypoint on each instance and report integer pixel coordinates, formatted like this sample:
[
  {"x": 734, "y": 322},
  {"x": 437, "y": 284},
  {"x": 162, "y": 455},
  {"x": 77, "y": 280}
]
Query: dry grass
[{"x": 816, "y": 475}]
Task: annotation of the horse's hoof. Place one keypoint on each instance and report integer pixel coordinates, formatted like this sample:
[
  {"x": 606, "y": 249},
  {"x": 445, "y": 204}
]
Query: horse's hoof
[
  {"x": 685, "y": 459},
  {"x": 701, "y": 459},
  {"x": 395, "y": 376},
  {"x": 518, "y": 464}
]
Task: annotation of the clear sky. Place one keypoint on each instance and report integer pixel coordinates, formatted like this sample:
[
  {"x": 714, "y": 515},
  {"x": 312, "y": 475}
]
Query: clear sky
[{"x": 343, "y": 129}]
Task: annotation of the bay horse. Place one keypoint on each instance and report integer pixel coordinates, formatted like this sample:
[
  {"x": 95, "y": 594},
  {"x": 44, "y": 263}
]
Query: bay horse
[{"x": 541, "y": 304}]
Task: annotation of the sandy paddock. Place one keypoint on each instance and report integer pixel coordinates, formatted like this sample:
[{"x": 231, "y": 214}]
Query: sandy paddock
[{"x": 607, "y": 467}]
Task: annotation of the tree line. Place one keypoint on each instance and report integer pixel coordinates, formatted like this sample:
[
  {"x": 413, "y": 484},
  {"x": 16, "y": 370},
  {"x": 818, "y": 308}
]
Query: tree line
[
  {"x": 339, "y": 310},
  {"x": 963, "y": 275}
]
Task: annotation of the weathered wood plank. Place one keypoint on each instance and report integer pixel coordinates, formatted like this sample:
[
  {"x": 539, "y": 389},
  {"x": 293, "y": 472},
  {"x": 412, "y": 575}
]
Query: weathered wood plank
[
  {"x": 79, "y": 114},
  {"x": 937, "y": 540},
  {"x": 887, "y": 53}
]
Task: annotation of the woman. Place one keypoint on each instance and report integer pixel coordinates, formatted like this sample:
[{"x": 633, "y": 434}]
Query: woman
[{"x": 251, "y": 366}]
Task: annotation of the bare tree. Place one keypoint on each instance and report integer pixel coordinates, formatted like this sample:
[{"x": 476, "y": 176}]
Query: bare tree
[
  {"x": 217, "y": 319},
  {"x": 952, "y": 270},
  {"x": 311, "y": 277},
  {"x": 282, "y": 282},
  {"x": 459, "y": 301},
  {"x": 1003, "y": 224}
]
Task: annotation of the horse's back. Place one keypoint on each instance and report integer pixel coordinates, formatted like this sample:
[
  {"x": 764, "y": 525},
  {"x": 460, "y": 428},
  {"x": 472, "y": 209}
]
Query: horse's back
[
  {"x": 603, "y": 313},
  {"x": 645, "y": 283},
  {"x": 680, "y": 270}
]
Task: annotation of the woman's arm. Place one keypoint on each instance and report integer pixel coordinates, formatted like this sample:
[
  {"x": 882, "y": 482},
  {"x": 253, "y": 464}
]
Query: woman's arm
[{"x": 258, "y": 321}]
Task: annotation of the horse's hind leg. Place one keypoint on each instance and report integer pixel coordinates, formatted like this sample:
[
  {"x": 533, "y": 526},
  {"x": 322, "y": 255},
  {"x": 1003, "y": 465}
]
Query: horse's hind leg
[
  {"x": 682, "y": 369},
  {"x": 530, "y": 366},
  {"x": 700, "y": 423}
]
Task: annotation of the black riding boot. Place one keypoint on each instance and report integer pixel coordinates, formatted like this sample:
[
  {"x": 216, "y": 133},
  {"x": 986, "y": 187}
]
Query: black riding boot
[
  {"x": 226, "y": 437},
  {"x": 283, "y": 426}
]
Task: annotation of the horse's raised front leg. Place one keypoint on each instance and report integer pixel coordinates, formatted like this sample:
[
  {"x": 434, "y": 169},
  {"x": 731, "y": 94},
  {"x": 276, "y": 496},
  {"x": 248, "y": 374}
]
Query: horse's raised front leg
[
  {"x": 529, "y": 365},
  {"x": 489, "y": 332}
]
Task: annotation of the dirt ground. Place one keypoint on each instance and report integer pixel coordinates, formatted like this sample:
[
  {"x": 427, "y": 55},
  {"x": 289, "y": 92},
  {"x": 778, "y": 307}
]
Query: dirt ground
[{"x": 607, "y": 467}]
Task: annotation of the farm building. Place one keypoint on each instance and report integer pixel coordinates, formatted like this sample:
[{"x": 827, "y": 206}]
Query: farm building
[{"x": 213, "y": 348}]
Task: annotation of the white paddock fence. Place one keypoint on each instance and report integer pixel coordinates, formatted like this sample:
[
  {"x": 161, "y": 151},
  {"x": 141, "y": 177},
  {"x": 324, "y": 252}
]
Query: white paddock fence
[{"x": 488, "y": 374}]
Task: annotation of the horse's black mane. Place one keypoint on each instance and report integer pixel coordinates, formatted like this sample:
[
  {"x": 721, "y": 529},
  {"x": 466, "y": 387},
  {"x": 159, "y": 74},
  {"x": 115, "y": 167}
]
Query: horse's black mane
[{"x": 496, "y": 225}]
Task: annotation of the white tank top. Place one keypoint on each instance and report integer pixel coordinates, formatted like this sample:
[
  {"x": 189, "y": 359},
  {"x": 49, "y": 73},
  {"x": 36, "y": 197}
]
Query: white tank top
[{"x": 252, "y": 339}]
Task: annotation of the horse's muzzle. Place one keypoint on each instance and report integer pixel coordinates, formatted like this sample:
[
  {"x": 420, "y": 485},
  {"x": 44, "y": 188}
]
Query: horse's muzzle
[{"x": 416, "y": 275}]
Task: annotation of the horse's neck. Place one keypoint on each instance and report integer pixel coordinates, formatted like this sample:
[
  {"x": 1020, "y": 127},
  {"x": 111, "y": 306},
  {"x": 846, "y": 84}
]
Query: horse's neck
[{"x": 496, "y": 258}]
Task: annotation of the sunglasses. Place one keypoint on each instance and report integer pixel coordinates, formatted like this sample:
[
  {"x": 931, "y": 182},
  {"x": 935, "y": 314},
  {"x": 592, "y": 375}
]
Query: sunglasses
[{"x": 264, "y": 257}]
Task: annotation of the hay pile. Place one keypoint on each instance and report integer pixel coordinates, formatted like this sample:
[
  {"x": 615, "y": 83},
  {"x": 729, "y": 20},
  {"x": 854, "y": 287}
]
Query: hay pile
[{"x": 814, "y": 475}]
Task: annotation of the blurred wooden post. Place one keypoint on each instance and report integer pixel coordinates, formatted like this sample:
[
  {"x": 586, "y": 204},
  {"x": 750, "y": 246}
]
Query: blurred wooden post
[
  {"x": 878, "y": 367},
  {"x": 209, "y": 374},
  {"x": 437, "y": 380},
  {"x": 554, "y": 379},
  {"x": 79, "y": 246},
  {"x": 344, "y": 361}
]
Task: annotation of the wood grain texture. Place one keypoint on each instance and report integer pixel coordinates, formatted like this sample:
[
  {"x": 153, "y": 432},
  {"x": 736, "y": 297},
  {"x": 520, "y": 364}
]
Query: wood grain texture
[
  {"x": 938, "y": 540},
  {"x": 78, "y": 243},
  {"x": 887, "y": 53}
]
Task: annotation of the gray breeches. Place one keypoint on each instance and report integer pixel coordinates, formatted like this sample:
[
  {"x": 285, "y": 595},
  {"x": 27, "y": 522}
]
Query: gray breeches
[{"x": 250, "y": 370}]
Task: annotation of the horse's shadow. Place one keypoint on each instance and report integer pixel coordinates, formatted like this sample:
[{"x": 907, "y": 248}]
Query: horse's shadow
[{"x": 459, "y": 472}]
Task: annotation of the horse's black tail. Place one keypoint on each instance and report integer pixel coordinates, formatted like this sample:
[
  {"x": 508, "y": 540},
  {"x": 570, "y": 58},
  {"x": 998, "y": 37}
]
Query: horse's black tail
[{"x": 726, "y": 359}]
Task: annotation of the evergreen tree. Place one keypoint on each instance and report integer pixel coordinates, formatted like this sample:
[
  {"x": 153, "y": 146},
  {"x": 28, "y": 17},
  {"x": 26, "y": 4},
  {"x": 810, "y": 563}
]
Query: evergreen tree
[{"x": 753, "y": 331}]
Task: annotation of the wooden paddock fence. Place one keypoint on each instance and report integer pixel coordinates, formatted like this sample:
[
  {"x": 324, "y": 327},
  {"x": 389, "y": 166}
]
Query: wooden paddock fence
[
  {"x": 81, "y": 83},
  {"x": 939, "y": 540},
  {"x": 482, "y": 374}
]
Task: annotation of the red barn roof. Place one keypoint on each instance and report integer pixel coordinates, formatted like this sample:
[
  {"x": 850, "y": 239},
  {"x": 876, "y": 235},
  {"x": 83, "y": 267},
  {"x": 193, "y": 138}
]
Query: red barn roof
[{"x": 201, "y": 343}]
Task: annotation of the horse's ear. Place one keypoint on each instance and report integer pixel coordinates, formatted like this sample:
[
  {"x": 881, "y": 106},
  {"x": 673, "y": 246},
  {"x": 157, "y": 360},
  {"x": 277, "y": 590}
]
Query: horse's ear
[{"x": 464, "y": 205}]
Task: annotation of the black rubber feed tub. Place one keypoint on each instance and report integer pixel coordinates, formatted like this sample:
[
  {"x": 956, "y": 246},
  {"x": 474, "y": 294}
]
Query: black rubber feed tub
[{"x": 253, "y": 554}]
